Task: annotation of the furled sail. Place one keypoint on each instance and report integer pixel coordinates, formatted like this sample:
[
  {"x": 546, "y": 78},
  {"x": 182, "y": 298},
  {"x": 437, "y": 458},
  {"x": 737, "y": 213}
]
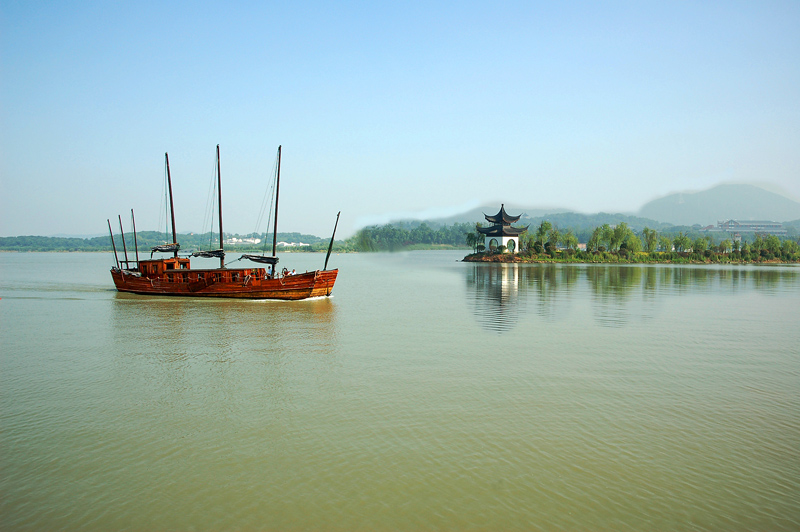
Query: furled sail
[
  {"x": 213, "y": 254},
  {"x": 166, "y": 248},
  {"x": 262, "y": 259}
]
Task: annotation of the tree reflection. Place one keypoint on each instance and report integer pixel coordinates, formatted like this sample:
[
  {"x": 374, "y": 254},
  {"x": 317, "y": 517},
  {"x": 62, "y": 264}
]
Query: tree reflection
[
  {"x": 549, "y": 284},
  {"x": 613, "y": 287},
  {"x": 501, "y": 293}
]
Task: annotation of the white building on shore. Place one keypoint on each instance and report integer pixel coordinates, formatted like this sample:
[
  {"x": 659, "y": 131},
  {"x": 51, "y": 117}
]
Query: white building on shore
[{"x": 751, "y": 227}]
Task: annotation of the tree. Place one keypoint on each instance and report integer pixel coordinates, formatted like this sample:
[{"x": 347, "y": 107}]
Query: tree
[
  {"x": 758, "y": 243},
  {"x": 544, "y": 229},
  {"x": 650, "y": 238},
  {"x": 665, "y": 243},
  {"x": 570, "y": 241},
  {"x": 606, "y": 235},
  {"x": 594, "y": 241},
  {"x": 725, "y": 246},
  {"x": 364, "y": 241},
  {"x": 472, "y": 241},
  {"x": 632, "y": 243},
  {"x": 699, "y": 245},
  {"x": 526, "y": 241},
  {"x": 555, "y": 237},
  {"x": 790, "y": 247},
  {"x": 422, "y": 234},
  {"x": 619, "y": 235},
  {"x": 480, "y": 240},
  {"x": 681, "y": 242},
  {"x": 773, "y": 244}
]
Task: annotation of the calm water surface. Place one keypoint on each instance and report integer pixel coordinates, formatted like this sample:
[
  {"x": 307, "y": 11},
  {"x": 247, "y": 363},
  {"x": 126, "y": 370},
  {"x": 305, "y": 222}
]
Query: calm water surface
[{"x": 426, "y": 394}]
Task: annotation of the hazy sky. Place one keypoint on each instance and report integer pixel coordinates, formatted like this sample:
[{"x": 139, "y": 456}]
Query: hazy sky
[{"x": 387, "y": 107}]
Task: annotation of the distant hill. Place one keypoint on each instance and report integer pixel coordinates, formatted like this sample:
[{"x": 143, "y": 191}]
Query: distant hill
[
  {"x": 676, "y": 212},
  {"x": 794, "y": 223},
  {"x": 723, "y": 202},
  {"x": 582, "y": 224},
  {"x": 476, "y": 215},
  {"x": 562, "y": 218},
  {"x": 575, "y": 220}
]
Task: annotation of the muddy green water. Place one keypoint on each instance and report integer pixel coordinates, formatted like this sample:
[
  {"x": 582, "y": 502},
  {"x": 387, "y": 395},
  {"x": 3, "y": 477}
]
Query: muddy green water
[{"x": 426, "y": 394}]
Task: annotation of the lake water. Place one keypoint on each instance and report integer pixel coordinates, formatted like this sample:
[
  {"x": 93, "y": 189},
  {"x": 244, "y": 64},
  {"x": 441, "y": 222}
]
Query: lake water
[{"x": 426, "y": 394}]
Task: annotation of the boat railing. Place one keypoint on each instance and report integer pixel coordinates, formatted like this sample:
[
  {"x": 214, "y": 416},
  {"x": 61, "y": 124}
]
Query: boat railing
[
  {"x": 210, "y": 276},
  {"x": 126, "y": 265}
]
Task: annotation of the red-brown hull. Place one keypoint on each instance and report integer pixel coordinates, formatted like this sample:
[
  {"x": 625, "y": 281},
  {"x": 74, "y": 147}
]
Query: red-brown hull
[{"x": 235, "y": 283}]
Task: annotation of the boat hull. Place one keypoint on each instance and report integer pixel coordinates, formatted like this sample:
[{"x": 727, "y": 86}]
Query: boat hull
[{"x": 237, "y": 284}]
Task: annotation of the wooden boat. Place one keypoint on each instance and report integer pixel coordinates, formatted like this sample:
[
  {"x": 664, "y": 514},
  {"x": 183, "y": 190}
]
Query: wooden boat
[{"x": 174, "y": 276}]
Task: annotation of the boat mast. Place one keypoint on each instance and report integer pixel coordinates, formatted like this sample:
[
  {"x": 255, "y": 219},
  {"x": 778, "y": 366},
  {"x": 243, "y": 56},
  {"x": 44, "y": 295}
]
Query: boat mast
[
  {"x": 127, "y": 263},
  {"x": 219, "y": 190},
  {"x": 277, "y": 189},
  {"x": 113, "y": 245},
  {"x": 135, "y": 242},
  {"x": 330, "y": 246},
  {"x": 171, "y": 207}
]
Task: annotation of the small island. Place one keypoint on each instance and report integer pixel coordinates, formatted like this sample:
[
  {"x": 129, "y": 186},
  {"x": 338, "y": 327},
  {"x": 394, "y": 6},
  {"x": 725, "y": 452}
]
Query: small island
[{"x": 617, "y": 244}]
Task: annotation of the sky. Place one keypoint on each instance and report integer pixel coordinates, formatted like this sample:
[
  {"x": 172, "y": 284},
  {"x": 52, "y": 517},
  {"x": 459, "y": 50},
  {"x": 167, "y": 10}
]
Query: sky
[{"x": 386, "y": 109}]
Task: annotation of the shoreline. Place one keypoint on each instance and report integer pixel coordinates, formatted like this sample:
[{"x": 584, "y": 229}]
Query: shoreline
[
  {"x": 142, "y": 253},
  {"x": 610, "y": 258}
]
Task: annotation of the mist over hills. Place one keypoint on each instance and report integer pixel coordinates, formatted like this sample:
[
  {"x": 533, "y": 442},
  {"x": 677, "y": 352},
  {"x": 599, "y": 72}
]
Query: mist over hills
[
  {"x": 533, "y": 217},
  {"x": 722, "y": 202},
  {"x": 476, "y": 214}
]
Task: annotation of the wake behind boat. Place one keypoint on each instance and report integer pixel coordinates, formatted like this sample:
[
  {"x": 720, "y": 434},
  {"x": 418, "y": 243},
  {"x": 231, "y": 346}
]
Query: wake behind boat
[{"x": 174, "y": 276}]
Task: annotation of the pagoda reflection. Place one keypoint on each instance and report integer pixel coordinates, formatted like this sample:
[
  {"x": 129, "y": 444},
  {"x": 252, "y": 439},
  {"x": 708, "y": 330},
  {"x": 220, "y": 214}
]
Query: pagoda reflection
[{"x": 493, "y": 291}]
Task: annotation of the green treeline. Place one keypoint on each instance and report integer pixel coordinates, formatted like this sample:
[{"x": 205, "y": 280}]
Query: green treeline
[
  {"x": 148, "y": 239},
  {"x": 384, "y": 238},
  {"x": 52, "y": 243},
  {"x": 391, "y": 237},
  {"x": 547, "y": 240},
  {"x": 606, "y": 242},
  {"x": 620, "y": 243}
]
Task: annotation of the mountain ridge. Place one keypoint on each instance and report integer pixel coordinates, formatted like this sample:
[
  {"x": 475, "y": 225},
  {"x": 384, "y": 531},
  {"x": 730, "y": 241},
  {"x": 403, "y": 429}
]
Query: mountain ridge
[
  {"x": 704, "y": 207},
  {"x": 721, "y": 202}
]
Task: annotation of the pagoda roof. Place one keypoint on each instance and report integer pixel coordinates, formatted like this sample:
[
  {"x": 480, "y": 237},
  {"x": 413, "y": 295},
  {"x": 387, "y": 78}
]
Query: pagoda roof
[
  {"x": 502, "y": 217},
  {"x": 502, "y": 230}
]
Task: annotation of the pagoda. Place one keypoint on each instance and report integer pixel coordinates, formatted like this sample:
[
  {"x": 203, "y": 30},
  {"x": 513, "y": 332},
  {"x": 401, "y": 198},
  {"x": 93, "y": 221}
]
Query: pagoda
[{"x": 500, "y": 233}]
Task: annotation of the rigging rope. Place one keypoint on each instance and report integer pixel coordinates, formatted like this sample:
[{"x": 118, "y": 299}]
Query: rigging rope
[
  {"x": 210, "y": 204},
  {"x": 268, "y": 193},
  {"x": 164, "y": 205}
]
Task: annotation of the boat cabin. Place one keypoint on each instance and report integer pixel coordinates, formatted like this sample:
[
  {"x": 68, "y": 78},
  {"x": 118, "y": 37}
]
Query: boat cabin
[
  {"x": 177, "y": 270},
  {"x": 157, "y": 267}
]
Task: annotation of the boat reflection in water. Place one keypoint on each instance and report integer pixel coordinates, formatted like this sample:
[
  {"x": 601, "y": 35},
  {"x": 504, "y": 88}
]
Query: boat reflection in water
[{"x": 216, "y": 325}]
